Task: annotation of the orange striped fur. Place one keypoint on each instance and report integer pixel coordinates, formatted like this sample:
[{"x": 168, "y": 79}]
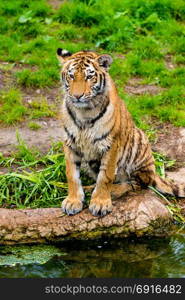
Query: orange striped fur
[{"x": 98, "y": 132}]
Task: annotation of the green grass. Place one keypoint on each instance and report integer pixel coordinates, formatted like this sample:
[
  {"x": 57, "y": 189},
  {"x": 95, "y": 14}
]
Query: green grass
[
  {"x": 11, "y": 106},
  {"x": 39, "y": 181},
  {"x": 40, "y": 108},
  {"x": 13, "y": 109},
  {"x": 34, "y": 126},
  {"x": 144, "y": 31},
  {"x": 38, "y": 186},
  {"x": 168, "y": 106},
  {"x": 41, "y": 78}
]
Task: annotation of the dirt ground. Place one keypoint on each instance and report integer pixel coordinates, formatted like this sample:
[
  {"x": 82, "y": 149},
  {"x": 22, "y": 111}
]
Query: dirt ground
[
  {"x": 134, "y": 87},
  {"x": 55, "y": 3},
  {"x": 41, "y": 138}
]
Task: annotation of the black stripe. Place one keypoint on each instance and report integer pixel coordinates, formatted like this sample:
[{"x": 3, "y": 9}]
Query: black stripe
[
  {"x": 104, "y": 136},
  {"x": 76, "y": 151},
  {"x": 78, "y": 164},
  {"x": 125, "y": 145},
  {"x": 100, "y": 114},
  {"x": 73, "y": 117},
  {"x": 94, "y": 165},
  {"x": 146, "y": 148},
  {"x": 154, "y": 183},
  {"x": 123, "y": 151},
  {"x": 145, "y": 166},
  {"x": 94, "y": 66},
  {"x": 145, "y": 171},
  {"x": 175, "y": 189},
  {"x": 129, "y": 154},
  {"x": 142, "y": 181},
  {"x": 165, "y": 182},
  {"x": 100, "y": 81},
  {"x": 92, "y": 161},
  {"x": 145, "y": 160},
  {"x": 104, "y": 81},
  {"x": 89, "y": 122},
  {"x": 139, "y": 145},
  {"x": 70, "y": 135},
  {"x": 107, "y": 149}
]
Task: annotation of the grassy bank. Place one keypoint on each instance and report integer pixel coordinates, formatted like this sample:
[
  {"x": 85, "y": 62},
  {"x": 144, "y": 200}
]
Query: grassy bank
[{"x": 35, "y": 180}]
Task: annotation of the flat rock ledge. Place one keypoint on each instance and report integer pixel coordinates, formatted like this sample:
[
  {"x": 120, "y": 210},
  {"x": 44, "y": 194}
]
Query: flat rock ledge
[{"x": 140, "y": 214}]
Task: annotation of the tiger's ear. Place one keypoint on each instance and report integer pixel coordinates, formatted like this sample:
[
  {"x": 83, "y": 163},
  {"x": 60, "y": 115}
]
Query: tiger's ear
[
  {"x": 63, "y": 54},
  {"x": 105, "y": 61}
]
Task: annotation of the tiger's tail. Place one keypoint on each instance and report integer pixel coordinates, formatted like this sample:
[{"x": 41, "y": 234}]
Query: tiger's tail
[{"x": 168, "y": 187}]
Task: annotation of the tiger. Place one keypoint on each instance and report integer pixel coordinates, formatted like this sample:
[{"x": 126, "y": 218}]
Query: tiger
[{"x": 99, "y": 132}]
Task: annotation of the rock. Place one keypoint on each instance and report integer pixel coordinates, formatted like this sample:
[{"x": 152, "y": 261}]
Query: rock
[
  {"x": 178, "y": 175},
  {"x": 141, "y": 213},
  {"x": 171, "y": 142}
]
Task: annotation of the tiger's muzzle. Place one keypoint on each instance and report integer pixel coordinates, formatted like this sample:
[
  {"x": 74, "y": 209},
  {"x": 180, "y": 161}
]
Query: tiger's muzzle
[{"x": 81, "y": 101}]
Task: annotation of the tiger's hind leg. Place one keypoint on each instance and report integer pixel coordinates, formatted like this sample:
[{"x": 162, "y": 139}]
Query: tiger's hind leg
[{"x": 119, "y": 189}]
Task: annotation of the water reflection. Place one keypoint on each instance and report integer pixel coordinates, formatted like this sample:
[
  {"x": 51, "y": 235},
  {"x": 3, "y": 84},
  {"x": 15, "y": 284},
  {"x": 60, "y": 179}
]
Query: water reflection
[{"x": 116, "y": 258}]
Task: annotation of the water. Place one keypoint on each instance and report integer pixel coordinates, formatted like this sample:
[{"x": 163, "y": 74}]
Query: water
[{"x": 138, "y": 258}]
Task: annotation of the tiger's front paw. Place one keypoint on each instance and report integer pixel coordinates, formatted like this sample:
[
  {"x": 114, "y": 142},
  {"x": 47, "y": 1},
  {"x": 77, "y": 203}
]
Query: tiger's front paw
[
  {"x": 71, "y": 206},
  {"x": 100, "y": 207}
]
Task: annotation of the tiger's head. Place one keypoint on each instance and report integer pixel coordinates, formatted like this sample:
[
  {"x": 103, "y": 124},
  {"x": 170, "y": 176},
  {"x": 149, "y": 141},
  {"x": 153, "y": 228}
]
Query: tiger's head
[{"x": 84, "y": 76}]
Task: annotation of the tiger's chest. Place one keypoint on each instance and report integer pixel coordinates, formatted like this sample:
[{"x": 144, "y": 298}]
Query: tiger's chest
[
  {"x": 86, "y": 131},
  {"x": 86, "y": 141}
]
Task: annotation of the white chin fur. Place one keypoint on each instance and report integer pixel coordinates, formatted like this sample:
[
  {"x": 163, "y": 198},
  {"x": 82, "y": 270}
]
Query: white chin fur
[{"x": 82, "y": 105}]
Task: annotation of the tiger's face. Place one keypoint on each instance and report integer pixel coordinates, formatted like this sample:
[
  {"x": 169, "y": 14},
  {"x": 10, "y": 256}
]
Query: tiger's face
[{"x": 84, "y": 76}]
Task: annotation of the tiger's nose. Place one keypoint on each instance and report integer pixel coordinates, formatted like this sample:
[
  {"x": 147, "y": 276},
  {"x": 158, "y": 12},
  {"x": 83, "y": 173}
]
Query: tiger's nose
[{"x": 78, "y": 96}]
